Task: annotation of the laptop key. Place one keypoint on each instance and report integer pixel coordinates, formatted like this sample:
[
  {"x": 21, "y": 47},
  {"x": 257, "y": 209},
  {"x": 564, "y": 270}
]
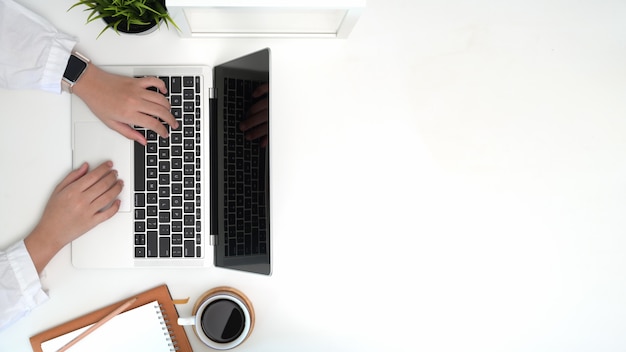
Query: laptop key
[
  {"x": 189, "y": 132},
  {"x": 177, "y": 251},
  {"x": 140, "y": 239},
  {"x": 189, "y": 248},
  {"x": 151, "y": 160},
  {"x": 152, "y": 198},
  {"x": 140, "y": 226},
  {"x": 175, "y": 85},
  {"x": 152, "y": 244},
  {"x": 189, "y": 220},
  {"x": 188, "y": 81},
  {"x": 164, "y": 247},
  {"x": 164, "y": 191},
  {"x": 164, "y": 218},
  {"x": 140, "y": 200},
  {"x": 140, "y": 169}
]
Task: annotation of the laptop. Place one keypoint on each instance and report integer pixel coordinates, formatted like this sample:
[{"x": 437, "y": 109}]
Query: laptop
[{"x": 200, "y": 197}]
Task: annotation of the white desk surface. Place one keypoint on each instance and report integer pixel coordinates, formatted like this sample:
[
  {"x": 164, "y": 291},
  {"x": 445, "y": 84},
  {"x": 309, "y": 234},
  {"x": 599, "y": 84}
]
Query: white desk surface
[{"x": 486, "y": 139}]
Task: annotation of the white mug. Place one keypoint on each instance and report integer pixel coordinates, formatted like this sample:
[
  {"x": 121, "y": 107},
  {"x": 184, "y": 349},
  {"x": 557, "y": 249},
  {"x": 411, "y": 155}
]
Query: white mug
[{"x": 223, "y": 318}]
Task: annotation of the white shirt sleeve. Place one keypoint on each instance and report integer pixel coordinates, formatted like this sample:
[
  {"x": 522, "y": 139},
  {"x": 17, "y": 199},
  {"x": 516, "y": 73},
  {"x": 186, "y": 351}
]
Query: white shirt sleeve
[
  {"x": 33, "y": 53},
  {"x": 20, "y": 287}
]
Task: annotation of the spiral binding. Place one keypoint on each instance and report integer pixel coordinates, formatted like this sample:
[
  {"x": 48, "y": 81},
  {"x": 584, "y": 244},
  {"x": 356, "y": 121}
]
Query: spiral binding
[{"x": 168, "y": 333}]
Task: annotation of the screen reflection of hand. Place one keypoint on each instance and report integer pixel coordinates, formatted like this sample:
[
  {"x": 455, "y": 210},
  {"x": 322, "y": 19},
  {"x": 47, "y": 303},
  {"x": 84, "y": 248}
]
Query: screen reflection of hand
[{"x": 256, "y": 125}]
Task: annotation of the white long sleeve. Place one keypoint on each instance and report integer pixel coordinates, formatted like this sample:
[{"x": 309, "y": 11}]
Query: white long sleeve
[
  {"x": 33, "y": 53},
  {"x": 20, "y": 287}
]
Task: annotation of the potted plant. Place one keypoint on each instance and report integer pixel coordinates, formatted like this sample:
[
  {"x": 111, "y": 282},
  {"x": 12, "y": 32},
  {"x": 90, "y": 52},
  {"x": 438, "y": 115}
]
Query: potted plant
[{"x": 128, "y": 16}]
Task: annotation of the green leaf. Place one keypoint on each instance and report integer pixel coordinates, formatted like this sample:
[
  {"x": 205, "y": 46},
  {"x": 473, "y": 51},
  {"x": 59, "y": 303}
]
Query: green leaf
[
  {"x": 110, "y": 25},
  {"x": 131, "y": 11}
]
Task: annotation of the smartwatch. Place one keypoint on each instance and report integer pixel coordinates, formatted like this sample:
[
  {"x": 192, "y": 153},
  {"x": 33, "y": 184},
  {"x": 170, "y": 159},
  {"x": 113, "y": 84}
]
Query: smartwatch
[{"x": 76, "y": 66}]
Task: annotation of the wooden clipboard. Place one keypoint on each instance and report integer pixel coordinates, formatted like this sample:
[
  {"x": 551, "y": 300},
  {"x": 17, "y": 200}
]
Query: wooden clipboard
[{"x": 160, "y": 294}]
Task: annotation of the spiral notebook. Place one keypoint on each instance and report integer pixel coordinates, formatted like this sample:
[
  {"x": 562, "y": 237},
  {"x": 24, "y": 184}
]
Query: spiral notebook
[{"x": 145, "y": 326}]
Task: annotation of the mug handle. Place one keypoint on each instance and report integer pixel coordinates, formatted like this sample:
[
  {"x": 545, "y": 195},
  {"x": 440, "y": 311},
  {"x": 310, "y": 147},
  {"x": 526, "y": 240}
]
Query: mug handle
[{"x": 187, "y": 321}]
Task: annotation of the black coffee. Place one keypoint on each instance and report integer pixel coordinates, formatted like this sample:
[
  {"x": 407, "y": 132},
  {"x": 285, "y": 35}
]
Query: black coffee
[{"x": 223, "y": 321}]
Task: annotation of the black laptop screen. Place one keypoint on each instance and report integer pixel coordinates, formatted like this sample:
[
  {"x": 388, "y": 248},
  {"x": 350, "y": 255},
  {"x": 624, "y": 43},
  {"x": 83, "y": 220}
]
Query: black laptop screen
[{"x": 240, "y": 189}]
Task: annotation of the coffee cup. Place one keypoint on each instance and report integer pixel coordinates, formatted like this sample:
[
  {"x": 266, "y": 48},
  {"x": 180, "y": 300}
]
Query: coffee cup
[{"x": 223, "y": 318}]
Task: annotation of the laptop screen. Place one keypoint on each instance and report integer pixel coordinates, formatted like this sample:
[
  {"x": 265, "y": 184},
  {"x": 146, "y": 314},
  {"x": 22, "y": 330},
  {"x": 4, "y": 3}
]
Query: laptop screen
[{"x": 240, "y": 189}]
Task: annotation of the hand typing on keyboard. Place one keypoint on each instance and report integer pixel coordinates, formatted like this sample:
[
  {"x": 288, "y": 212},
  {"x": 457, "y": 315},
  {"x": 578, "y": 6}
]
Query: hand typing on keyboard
[
  {"x": 81, "y": 201},
  {"x": 121, "y": 102},
  {"x": 256, "y": 123}
]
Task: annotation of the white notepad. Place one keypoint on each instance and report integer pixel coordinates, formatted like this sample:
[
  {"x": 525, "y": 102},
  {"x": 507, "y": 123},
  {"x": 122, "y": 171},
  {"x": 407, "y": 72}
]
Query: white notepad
[{"x": 139, "y": 329}]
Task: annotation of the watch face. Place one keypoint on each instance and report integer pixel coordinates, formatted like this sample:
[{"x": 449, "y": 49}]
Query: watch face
[{"x": 74, "y": 69}]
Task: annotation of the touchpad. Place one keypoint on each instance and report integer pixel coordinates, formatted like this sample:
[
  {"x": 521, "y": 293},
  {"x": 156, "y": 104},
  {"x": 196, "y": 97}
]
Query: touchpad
[{"x": 95, "y": 143}]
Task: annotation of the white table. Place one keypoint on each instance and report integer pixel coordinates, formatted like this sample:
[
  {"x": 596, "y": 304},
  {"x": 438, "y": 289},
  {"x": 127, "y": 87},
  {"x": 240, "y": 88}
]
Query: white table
[{"x": 488, "y": 138}]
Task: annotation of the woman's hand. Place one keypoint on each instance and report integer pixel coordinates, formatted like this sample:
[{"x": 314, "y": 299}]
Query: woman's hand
[
  {"x": 121, "y": 102},
  {"x": 80, "y": 202}
]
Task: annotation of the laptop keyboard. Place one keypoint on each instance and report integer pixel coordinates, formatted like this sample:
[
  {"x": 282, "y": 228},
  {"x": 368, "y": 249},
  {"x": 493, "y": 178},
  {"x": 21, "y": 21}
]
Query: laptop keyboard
[
  {"x": 245, "y": 230},
  {"x": 168, "y": 216}
]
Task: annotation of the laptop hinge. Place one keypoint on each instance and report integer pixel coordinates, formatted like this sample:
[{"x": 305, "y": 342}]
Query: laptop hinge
[
  {"x": 212, "y": 93},
  {"x": 213, "y": 240}
]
